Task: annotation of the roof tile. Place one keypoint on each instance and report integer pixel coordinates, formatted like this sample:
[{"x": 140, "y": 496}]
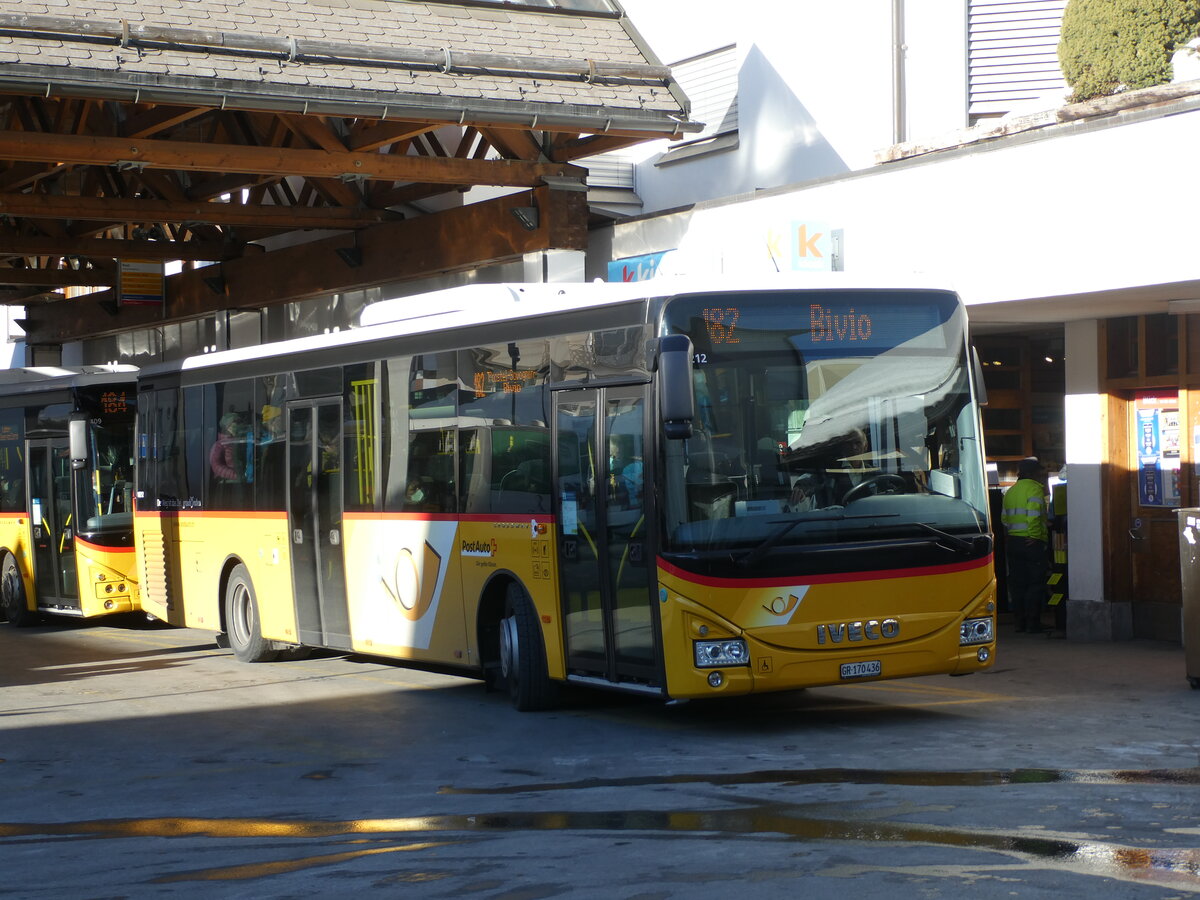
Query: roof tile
[{"x": 528, "y": 34}]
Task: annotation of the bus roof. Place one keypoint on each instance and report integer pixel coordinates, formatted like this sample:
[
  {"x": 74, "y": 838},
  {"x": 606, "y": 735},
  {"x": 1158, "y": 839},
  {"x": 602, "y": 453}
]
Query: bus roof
[
  {"x": 33, "y": 379},
  {"x": 480, "y": 304}
]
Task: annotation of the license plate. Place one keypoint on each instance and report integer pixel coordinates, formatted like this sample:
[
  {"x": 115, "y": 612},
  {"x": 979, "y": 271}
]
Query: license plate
[{"x": 866, "y": 669}]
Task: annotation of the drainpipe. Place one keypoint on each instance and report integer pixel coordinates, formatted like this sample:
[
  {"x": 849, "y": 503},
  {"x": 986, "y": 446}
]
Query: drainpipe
[{"x": 899, "y": 113}]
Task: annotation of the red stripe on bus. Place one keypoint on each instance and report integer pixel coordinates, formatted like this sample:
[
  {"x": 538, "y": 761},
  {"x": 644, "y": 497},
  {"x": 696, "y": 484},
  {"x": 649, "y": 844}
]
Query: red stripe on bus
[
  {"x": 100, "y": 548},
  {"x": 210, "y": 514},
  {"x": 521, "y": 519},
  {"x": 841, "y": 577},
  {"x": 365, "y": 516}
]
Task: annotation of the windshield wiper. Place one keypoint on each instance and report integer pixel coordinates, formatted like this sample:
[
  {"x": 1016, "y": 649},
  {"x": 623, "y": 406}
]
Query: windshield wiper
[
  {"x": 957, "y": 544},
  {"x": 753, "y": 556}
]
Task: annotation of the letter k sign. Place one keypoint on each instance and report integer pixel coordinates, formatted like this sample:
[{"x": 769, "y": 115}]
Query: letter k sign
[
  {"x": 806, "y": 244},
  {"x": 810, "y": 247}
]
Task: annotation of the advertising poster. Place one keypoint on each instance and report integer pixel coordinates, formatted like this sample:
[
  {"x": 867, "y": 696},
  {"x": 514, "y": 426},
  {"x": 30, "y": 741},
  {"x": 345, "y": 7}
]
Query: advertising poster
[{"x": 1156, "y": 447}]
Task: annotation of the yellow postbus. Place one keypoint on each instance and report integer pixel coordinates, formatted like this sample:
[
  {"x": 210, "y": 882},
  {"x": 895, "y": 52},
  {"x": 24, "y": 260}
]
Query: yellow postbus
[
  {"x": 681, "y": 490},
  {"x": 66, "y": 492}
]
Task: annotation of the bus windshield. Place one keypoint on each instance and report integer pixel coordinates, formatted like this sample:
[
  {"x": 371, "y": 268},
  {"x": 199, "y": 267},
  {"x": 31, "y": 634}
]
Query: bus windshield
[
  {"x": 830, "y": 418},
  {"x": 104, "y": 486}
]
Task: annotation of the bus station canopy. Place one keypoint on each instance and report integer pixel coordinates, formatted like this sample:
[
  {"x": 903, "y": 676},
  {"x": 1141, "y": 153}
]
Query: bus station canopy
[{"x": 213, "y": 132}]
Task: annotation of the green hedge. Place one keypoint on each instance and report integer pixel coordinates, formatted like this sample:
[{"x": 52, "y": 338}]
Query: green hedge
[{"x": 1109, "y": 46}]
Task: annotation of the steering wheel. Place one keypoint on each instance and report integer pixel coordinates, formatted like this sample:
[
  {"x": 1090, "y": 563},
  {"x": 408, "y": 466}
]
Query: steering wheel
[{"x": 880, "y": 484}]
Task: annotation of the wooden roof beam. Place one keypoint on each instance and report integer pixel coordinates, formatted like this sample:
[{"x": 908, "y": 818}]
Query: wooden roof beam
[
  {"x": 199, "y": 157},
  {"x": 447, "y": 241},
  {"x": 315, "y": 130},
  {"x": 52, "y": 278},
  {"x": 106, "y": 209},
  {"x": 374, "y": 136},
  {"x": 569, "y": 147},
  {"x": 99, "y": 248},
  {"x": 161, "y": 118},
  {"x": 513, "y": 143}
]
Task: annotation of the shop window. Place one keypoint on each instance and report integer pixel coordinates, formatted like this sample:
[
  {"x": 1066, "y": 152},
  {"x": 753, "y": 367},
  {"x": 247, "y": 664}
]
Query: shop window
[
  {"x": 1002, "y": 419},
  {"x": 1121, "y": 347},
  {"x": 1162, "y": 345},
  {"x": 1192, "y": 330}
]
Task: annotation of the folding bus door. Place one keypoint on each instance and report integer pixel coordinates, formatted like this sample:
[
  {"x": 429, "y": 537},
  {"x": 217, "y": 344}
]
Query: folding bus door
[
  {"x": 315, "y": 521},
  {"x": 602, "y": 504},
  {"x": 50, "y": 511}
]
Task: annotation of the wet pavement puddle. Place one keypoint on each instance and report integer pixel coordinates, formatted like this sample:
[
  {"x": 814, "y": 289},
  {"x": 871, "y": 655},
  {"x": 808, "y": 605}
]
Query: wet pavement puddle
[{"x": 1023, "y": 848}]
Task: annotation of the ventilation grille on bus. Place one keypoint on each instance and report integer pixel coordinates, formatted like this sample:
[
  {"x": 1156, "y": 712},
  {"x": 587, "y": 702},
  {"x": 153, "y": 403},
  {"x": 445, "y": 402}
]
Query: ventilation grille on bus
[{"x": 156, "y": 585}]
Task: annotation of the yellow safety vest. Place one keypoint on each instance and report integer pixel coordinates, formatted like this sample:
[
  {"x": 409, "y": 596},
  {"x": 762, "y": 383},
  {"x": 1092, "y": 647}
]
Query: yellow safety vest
[{"x": 1025, "y": 510}]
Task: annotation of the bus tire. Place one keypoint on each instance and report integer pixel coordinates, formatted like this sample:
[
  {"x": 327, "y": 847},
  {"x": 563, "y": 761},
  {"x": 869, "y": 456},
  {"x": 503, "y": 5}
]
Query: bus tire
[
  {"x": 12, "y": 594},
  {"x": 242, "y": 623},
  {"x": 522, "y": 655}
]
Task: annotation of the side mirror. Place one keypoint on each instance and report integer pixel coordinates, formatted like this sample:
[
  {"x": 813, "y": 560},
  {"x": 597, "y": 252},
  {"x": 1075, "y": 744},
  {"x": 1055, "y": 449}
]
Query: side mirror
[
  {"x": 77, "y": 441},
  {"x": 676, "y": 395}
]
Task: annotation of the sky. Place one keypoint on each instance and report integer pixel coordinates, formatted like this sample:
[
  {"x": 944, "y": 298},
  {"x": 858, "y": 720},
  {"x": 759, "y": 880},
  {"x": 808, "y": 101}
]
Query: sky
[{"x": 677, "y": 29}]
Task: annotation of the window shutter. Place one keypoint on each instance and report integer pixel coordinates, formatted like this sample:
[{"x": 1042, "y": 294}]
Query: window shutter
[
  {"x": 1013, "y": 53},
  {"x": 710, "y": 82}
]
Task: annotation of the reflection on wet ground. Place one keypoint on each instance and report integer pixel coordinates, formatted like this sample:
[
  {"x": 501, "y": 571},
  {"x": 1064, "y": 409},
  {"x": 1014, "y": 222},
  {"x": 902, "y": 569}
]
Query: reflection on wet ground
[
  {"x": 913, "y": 777},
  {"x": 1024, "y": 846}
]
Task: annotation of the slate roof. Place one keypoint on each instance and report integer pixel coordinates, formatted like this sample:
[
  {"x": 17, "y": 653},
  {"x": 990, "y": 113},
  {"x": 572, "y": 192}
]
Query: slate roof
[{"x": 384, "y": 58}]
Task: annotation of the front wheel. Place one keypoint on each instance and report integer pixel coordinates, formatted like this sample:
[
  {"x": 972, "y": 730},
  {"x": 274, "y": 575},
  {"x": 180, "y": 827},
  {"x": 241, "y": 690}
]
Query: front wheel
[
  {"x": 12, "y": 594},
  {"x": 522, "y": 655},
  {"x": 241, "y": 619}
]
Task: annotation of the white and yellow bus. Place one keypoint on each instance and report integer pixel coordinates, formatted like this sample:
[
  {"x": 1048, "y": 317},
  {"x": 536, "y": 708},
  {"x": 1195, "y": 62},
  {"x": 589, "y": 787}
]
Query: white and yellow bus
[
  {"x": 683, "y": 491},
  {"x": 66, "y": 492}
]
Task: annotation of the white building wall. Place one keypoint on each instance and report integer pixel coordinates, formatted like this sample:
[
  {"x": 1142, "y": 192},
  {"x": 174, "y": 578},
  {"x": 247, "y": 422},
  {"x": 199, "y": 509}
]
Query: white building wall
[
  {"x": 12, "y": 348},
  {"x": 816, "y": 88},
  {"x": 1023, "y": 220},
  {"x": 1085, "y": 422}
]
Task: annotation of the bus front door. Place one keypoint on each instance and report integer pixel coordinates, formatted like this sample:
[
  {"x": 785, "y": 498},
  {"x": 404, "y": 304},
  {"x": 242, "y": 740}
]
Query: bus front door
[
  {"x": 50, "y": 508},
  {"x": 609, "y": 617},
  {"x": 315, "y": 521}
]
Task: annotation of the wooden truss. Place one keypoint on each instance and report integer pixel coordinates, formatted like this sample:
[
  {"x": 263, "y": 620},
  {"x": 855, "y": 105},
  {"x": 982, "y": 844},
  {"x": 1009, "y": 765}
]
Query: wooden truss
[{"x": 86, "y": 182}]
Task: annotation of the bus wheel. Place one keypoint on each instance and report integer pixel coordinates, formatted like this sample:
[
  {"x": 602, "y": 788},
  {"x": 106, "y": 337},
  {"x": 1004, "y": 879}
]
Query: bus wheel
[
  {"x": 522, "y": 656},
  {"x": 241, "y": 619},
  {"x": 12, "y": 594}
]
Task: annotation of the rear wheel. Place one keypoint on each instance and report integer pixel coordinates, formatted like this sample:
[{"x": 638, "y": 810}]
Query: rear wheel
[
  {"x": 12, "y": 594},
  {"x": 522, "y": 655},
  {"x": 241, "y": 619}
]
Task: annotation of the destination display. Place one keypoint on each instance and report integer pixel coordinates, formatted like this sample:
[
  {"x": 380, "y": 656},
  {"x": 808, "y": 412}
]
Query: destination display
[{"x": 835, "y": 324}]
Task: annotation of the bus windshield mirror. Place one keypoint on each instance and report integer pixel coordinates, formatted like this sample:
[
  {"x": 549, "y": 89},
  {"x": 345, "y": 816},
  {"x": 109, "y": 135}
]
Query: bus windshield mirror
[
  {"x": 77, "y": 438},
  {"x": 677, "y": 394}
]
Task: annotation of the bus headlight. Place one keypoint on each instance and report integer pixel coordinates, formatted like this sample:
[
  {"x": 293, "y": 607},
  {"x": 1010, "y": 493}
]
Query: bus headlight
[
  {"x": 710, "y": 654},
  {"x": 975, "y": 631}
]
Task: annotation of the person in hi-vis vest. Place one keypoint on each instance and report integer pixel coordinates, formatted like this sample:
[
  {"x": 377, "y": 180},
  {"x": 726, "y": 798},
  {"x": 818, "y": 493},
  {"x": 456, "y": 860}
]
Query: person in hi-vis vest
[{"x": 1024, "y": 515}]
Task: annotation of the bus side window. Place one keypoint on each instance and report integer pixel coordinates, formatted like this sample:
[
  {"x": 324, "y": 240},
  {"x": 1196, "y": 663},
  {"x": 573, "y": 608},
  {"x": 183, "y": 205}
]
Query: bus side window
[
  {"x": 430, "y": 485},
  {"x": 12, "y": 462}
]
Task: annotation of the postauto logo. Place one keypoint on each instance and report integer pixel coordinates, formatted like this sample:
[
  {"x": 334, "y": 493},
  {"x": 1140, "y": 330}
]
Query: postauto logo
[{"x": 478, "y": 548}]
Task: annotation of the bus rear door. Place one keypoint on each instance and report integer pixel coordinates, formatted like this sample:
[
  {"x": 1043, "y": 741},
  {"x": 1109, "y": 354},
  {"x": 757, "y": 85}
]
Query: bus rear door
[{"x": 609, "y": 616}]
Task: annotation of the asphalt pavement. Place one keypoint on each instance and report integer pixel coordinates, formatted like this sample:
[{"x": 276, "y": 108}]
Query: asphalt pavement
[{"x": 144, "y": 762}]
